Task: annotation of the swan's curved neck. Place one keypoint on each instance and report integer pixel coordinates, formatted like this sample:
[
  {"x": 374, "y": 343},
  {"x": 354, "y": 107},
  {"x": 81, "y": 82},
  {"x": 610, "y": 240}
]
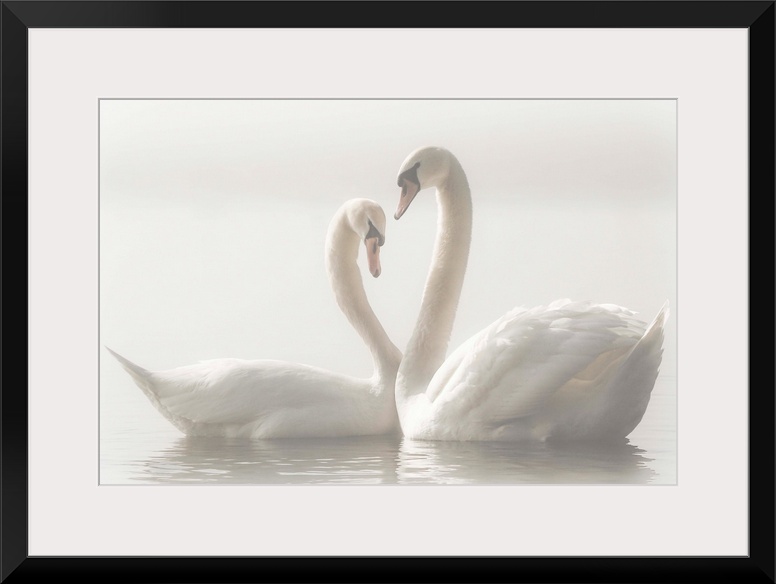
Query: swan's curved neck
[
  {"x": 342, "y": 246},
  {"x": 428, "y": 345}
]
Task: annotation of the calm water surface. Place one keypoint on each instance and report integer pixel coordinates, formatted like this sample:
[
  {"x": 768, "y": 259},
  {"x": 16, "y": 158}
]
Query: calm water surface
[{"x": 137, "y": 446}]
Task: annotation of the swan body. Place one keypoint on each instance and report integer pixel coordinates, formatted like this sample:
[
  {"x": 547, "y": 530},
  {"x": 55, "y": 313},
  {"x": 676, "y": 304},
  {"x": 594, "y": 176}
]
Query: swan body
[
  {"x": 277, "y": 399},
  {"x": 565, "y": 371}
]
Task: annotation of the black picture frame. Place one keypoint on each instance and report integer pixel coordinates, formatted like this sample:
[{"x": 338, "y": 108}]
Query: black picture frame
[{"x": 19, "y": 16}]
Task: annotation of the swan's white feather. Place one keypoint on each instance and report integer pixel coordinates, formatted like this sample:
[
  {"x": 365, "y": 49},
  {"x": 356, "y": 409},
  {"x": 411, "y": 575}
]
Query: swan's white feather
[
  {"x": 568, "y": 370},
  {"x": 278, "y": 399},
  {"x": 264, "y": 399},
  {"x": 548, "y": 371}
]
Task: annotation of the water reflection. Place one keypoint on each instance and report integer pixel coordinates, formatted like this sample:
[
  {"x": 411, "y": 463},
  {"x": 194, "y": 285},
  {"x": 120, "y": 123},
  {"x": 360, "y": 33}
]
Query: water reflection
[
  {"x": 389, "y": 460},
  {"x": 504, "y": 463},
  {"x": 369, "y": 460}
]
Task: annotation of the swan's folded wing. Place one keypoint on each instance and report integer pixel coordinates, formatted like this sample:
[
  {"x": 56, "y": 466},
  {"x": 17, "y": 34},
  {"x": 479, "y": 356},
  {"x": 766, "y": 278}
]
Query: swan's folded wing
[
  {"x": 234, "y": 391},
  {"x": 514, "y": 366},
  {"x": 454, "y": 362}
]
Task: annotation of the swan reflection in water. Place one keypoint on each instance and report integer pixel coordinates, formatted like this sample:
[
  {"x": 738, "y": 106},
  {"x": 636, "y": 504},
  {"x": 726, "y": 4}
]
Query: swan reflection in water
[
  {"x": 427, "y": 462},
  {"x": 390, "y": 460}
]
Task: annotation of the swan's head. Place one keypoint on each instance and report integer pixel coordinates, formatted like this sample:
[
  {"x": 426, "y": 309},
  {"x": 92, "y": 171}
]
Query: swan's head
[
  {"x": 425, "y": 168},
  {"x": 367, "y": 220}
]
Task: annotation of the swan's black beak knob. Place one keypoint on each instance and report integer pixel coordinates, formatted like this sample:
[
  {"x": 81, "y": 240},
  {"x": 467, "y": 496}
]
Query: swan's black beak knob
[{"x": 410, "y": 186}]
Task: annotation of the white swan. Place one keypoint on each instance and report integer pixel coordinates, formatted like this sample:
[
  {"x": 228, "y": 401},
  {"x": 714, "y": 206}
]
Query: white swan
[
  {"x": 570, "y": 370},
  {"x": 276, "y": 399}
]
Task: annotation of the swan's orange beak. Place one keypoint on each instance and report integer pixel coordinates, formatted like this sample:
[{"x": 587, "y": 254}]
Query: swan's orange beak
[
  {"x": 373, "y": 255},
  {"x": 408, "y": 191}
]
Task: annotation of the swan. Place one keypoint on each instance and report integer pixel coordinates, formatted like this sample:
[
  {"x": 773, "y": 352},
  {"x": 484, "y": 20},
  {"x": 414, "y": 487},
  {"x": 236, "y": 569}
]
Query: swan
[
  {"x": 261, "y": 399},
  {"x": 565, "y": 371}
]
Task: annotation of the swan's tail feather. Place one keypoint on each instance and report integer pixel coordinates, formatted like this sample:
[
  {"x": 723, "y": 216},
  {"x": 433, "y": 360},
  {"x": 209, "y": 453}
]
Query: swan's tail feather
[
  {"x": 141, "y": 376},
  {"x": 659, "y": 322},
  {"x": 632, "y": 387},
  {"x": 144, "y": 379}
]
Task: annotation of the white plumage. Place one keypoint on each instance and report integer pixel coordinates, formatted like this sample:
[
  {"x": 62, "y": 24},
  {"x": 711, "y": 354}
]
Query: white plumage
[
  {"x": 277, "y": 399},
  {"x": 569, "y": 370}
]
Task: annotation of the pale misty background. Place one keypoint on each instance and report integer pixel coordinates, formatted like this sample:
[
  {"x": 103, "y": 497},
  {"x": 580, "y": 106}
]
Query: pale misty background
[{"x": 213, "y": 215}]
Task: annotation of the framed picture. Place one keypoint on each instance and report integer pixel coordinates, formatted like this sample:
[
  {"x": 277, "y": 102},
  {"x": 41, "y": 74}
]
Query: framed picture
[
  {"x": 188, "y": 229},
  {"x": 133, "y": 138}
]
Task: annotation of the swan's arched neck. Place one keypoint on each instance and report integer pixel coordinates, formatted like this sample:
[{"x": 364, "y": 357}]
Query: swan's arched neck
[
  {"x": 427, "y": 347},
  {"x": 342, "y": 246}
]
